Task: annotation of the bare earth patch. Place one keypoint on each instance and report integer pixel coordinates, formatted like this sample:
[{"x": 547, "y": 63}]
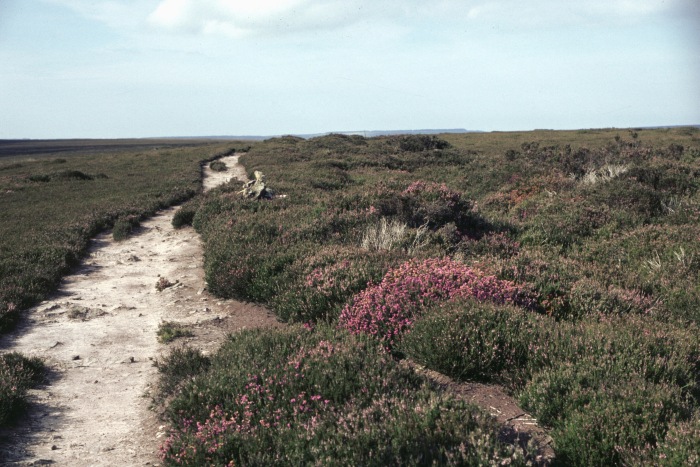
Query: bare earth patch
[{"x": 98, "y": 336}]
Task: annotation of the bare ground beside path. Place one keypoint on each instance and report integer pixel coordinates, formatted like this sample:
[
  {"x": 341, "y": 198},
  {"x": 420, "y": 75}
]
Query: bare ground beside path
[{"x": 98, "y": 337}]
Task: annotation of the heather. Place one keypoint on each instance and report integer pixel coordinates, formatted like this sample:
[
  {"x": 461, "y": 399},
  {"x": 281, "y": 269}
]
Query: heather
[
  {"x": 610, "y": 390},
  {"x": 18, "y": 374},
  {"x": 388, "y": 309},
  {"x": 319, "y": 396},
  {"x": 562, "y": 265}
]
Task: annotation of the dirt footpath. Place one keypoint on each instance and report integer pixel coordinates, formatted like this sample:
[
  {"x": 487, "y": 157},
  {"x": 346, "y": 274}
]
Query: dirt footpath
[{"x": 97, "y": 334}]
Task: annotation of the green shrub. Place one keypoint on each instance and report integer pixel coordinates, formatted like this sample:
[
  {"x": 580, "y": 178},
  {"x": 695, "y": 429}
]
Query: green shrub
[
  {"x": 18, "y": 374},
  {"x": 600, "y": 415},
  {"x": 184, "y": 215},
  {"x": 417, "y": 143},
  {"x": 218, "y": 166},
  {"x": 475, "y": 341},
  {"x": 589, "y": 298},
  {"x": 177, "y": 367},
  {"x": 125, "y": 226},
  {"x": 168, "y": 331}
]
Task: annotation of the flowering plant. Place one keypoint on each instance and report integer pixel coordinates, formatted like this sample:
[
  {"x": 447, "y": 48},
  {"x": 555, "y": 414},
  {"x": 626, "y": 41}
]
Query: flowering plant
[{"x": 387, "y": 309}]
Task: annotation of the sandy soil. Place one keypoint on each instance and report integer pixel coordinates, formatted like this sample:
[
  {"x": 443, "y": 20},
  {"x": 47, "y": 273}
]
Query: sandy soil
[{"x": 98, "y": 336}]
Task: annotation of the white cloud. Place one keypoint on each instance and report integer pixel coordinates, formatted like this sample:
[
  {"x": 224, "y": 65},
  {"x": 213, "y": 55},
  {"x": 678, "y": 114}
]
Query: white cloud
[
  {"x": 118, "y": 14},
  {"x": 236, "y": 18},
  {"x": 553, "y": 12},
  {"x": 239, "y": 17}
]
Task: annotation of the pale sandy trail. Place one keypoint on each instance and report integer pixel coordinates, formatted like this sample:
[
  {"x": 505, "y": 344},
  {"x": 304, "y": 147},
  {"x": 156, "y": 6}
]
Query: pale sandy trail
[{"x": 98, "y": 336}]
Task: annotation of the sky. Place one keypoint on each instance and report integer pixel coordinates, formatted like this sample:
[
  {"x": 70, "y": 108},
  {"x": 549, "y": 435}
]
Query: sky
[{"x": 152, "y": 68}]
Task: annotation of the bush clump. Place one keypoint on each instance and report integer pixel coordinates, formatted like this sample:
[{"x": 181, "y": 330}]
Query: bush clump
[
  {"x": 601, "y": 415},
  {"x": 417, "y": 143},
  {"x": 184, "y": 215},
  {"x": 218, "y": 166},
  {"x": 18, "y": 374},
  {"x": 475, "y": 341},
  {"x": 389, "y": 308},
  {"x": 168, "y": 331},
  {"x": 178, "y": 366},
  {"x": 124, "y": 227}
]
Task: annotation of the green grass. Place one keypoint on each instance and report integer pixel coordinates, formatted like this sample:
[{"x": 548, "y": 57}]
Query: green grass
[{"x": 168, "y": 331}]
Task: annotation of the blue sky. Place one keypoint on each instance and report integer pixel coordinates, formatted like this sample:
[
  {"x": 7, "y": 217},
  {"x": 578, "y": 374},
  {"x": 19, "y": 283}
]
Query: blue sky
[{"x": 138, "y": 68}]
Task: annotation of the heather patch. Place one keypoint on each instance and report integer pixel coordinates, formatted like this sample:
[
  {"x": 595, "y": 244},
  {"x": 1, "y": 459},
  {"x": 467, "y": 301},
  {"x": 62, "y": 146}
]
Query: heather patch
[
  {"x": 610, "y": 390},
  {"x": 387, "y": 309},
  {"x": 601, "y": 415},
  {"x": 478, "y": 341},
  {"x": 312, "y": 397},
  {"x": 18, "y": 374},
  {"x": 322, "y": 283}
]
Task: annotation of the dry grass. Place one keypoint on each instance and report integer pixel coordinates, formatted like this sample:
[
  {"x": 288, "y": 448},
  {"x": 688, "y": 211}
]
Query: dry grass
[{"x": 385, "y": 235}]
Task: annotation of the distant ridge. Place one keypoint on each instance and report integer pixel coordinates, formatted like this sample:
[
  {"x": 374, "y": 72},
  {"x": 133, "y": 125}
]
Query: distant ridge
[
  {"x": 373, "y": 133},
  {"x": 365, "y": 133}
]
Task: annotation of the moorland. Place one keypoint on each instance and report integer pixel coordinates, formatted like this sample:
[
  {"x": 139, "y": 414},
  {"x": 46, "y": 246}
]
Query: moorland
[{"x": 561, "y": 265}]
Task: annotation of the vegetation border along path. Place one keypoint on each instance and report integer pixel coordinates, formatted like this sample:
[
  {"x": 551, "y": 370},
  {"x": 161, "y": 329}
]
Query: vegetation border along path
[{"x": 97, "y": 335}]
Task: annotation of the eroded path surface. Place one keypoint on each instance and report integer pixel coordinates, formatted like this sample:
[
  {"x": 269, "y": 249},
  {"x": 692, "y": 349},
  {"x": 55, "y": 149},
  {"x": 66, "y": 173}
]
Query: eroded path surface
[{"x": 98, "y": 337}]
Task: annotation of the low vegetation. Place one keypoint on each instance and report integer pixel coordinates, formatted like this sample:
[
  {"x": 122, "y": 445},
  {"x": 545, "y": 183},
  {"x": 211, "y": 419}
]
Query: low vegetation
[
  {"x": 52, "y": 206},
  {"x": 218, "y": 166},
  {"x": 18, "y": 374},
  {"x": 561, "y": 265},
  {"x": 564, "y": 266},
  {"x": 317, "y": 397},
  {"x": 168, "y": 331}
]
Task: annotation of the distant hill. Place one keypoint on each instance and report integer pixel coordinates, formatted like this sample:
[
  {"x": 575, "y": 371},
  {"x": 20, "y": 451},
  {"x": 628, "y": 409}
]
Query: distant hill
[
  {"x": 365, "y": 133},
  {"x": 372, "y": 133}
]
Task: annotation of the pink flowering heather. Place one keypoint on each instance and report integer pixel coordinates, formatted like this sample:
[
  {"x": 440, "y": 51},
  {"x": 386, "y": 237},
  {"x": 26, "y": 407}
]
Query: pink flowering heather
[
  {"x": 324, "y": 280},
  {"x": 389, "y": 308},
  {"x": 269, "y": 402}
]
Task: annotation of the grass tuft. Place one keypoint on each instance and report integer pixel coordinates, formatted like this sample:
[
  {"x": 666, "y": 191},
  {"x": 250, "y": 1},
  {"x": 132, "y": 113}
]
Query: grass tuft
[{"x": 168, "y": 331}]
